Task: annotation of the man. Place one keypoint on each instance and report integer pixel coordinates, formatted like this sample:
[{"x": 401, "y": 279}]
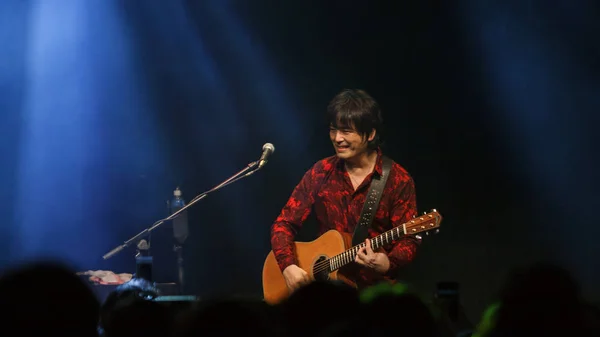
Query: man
[{"x": 335, "y": 189}]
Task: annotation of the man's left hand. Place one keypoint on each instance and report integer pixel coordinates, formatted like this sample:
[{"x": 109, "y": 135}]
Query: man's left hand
[{"x": 377, "y": 261}]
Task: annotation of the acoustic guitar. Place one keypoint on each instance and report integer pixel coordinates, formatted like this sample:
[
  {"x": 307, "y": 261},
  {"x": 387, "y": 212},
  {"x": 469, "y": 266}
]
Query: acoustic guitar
[{"x": 323, "y": 257}]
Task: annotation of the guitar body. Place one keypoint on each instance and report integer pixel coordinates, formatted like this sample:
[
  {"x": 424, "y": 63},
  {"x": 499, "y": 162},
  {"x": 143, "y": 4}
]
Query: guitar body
[
  {"x": 317, "y": 256},
  {"x": 329, "y": 244}
]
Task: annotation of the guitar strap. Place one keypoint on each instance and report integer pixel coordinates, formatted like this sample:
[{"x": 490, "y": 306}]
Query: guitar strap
[{"x": 371, "y": 203}]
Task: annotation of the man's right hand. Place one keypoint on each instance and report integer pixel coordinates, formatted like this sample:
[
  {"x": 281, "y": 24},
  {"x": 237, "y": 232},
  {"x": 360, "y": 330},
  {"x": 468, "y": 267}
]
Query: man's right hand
[{"x": 295, "y": 277}]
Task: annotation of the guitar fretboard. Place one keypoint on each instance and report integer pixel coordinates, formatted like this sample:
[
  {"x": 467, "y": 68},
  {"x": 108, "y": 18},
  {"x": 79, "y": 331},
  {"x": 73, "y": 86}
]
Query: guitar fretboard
[
  {"x": 340, "y": 260},
  {"x": 415, "y": 226}
]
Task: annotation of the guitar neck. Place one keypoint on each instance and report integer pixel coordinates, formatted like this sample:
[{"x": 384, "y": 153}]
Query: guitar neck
[
  {"x": 422, "y": 224},
  {"x": 382, "y": 240}
]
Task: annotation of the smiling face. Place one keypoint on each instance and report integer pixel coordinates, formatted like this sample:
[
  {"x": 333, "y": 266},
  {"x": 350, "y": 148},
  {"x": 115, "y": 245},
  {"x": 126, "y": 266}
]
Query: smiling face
[
  {"x": 348, "y": 143},
  {"x": 354, "y": 122}
]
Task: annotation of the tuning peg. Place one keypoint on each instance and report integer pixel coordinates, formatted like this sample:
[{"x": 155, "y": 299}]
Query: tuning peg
[
  {"x": 426, "y": 233},
  {"x": 437, "y": 231},
  {"x": 418, "y": 237}
]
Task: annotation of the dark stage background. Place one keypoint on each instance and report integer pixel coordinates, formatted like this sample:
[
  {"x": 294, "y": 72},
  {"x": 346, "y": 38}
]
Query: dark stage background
[{"x": 107, "y": 106}]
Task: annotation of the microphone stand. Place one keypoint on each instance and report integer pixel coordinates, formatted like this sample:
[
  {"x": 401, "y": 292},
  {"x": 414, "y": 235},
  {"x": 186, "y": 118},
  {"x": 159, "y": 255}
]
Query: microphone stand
[{"x": 248, "y": 170}]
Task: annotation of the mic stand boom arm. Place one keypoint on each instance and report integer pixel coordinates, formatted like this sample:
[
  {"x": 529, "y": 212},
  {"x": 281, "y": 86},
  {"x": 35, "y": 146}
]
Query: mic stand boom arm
[{"x": 248, "y": 170}]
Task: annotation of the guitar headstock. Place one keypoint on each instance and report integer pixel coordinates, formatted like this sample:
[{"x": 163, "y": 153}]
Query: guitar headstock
[{"x": 429, "y": 221}]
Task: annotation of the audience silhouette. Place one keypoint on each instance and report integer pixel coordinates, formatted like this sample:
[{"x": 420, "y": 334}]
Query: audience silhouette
[{"x": 46, "y": 298}]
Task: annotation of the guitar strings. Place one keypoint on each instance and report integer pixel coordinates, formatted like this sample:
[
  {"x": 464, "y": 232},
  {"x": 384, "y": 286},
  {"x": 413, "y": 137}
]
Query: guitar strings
[{"x": 324, "y": 265}]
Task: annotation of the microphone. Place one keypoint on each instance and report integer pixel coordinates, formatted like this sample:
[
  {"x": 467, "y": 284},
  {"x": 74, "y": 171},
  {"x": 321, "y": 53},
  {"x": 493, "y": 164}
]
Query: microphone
[{"x": 268, "y": 149}]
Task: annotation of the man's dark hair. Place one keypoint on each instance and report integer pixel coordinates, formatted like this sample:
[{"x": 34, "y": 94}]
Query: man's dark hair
[{"x": 355, "y": 109}]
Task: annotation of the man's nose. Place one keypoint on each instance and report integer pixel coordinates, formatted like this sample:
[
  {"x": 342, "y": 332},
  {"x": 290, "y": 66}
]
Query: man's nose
[{"x": 339, "y": 137}]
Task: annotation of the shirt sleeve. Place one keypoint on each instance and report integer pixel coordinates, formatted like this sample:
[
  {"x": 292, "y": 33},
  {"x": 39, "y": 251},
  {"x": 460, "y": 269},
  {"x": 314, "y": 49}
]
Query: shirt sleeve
[
  {"x": 288, "y": 223},
  {"x": 403, "y": 210}
]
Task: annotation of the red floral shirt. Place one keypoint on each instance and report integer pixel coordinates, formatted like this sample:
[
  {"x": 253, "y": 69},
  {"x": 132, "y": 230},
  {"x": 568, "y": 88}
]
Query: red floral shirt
[{"x": 327, "y": 191}]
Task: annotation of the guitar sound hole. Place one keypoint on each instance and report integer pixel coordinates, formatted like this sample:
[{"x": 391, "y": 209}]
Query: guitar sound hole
[{"x": 321, "y": 269}]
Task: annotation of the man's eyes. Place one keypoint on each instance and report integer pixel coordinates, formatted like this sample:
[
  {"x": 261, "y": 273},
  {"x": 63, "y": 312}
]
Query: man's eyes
[{"x": 341, "y": 130}]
